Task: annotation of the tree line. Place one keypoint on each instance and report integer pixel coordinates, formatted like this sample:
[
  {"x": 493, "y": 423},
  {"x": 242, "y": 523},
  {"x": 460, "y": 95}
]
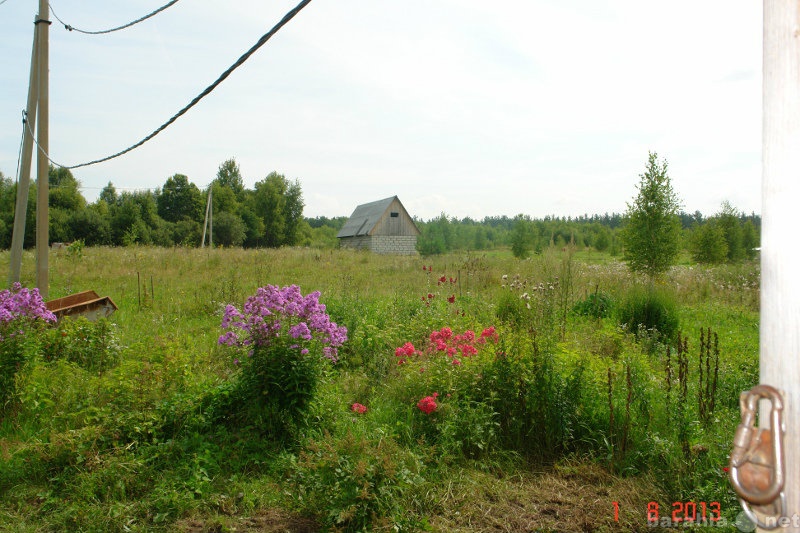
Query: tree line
[{"x": 271, "y": 215}]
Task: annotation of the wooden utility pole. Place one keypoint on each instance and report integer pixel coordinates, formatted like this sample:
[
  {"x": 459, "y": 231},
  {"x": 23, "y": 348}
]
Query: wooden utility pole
[
  {"x": 23, "y": 185},
  {"x": 42, "y": 163},
  {"x": 208, "y": 223},
  {"x": 780, "y": 280}
]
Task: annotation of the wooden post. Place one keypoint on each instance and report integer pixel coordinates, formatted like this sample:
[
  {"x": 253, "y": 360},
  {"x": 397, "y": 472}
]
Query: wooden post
[
  {"x": 42, "y": 163},
  {"x": 780, "y": 282},
  {"x": 23, "y": 185},
  {"x": 205, "y": 221}
]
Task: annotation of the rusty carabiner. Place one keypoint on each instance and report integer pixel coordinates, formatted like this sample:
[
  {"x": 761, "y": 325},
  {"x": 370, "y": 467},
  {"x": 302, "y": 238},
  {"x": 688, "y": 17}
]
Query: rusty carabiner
[{"x": 757, "y": 462}]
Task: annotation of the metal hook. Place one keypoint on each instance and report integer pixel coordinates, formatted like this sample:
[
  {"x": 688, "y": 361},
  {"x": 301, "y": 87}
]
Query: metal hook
[{"x": 757, "y": 460}]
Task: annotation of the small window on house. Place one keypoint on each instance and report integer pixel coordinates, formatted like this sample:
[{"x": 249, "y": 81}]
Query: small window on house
[{"x": 394, "y": 214}]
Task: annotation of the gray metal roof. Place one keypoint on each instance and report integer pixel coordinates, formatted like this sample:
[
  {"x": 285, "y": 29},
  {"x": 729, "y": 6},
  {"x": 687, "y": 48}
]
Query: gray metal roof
[{"x": 364, "y": 218}]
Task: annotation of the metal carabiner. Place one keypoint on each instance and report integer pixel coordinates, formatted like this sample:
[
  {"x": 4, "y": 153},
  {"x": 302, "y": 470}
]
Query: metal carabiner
[{"x": 757, "y": 462}]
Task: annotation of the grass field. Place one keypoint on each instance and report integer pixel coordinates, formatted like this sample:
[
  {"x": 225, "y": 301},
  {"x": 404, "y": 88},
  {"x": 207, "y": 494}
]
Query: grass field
[{"x": 565, "y": 421}]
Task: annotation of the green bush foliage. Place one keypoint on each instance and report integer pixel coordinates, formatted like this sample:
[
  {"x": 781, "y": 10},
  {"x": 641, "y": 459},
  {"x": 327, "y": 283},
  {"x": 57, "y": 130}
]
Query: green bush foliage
[
  {"x": 649, "y": 309},
  {"x": 596, "y": 305},
  {"x": 91, "y": 345},
  {"x": 354, "y": 483}
]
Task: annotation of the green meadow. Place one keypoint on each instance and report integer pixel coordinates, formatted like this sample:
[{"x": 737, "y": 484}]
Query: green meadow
[{"x": 588, "y": 400}]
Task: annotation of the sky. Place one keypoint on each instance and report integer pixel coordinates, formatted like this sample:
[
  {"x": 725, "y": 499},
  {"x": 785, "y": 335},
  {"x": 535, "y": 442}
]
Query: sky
[{"x": 463, "y": 107}]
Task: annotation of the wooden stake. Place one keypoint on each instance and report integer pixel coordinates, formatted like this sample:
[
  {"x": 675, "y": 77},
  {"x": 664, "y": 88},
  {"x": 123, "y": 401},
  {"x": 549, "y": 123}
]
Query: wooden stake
[{"x": 780, "y": 283}]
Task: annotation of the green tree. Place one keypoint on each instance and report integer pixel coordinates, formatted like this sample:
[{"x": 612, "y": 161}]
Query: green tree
[
  {"x": 64, "y": 190},
  {"x": 652, "y": 229},
  {"x": 521, "y": 237},
  {"x": 179, "y": 198},
  {"x": 229, "y": 230},
  {"x": 109, "y": 194},
  {"x": 228, "y": 175},
  {"x": 750, "y": 240},
  {"x": 92, "y": 225},
  {"x": 729, "y": 221},
  {"x": 436, "y": 236},
  {"x": 708, "y": 244},
  {"x": 279, "y": 205}
]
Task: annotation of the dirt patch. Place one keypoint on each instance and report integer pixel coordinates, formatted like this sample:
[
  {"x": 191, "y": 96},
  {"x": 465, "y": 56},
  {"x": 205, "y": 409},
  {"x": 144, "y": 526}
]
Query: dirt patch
[
  {"x": 565, "y": 498},
  {"x": 265, "y": 521}
]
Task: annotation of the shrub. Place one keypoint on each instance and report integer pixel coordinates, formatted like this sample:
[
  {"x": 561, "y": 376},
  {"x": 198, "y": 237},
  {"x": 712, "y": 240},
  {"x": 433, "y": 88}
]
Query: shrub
[
  {"x": 22, "y": 312},
  {"x": 352, "y": 483},
  {"x": 596, "y": 305},
  {"x": 91, "y": 345},
  {"x": 285, "y": 340},
  {"x": 652, "y": 309}
]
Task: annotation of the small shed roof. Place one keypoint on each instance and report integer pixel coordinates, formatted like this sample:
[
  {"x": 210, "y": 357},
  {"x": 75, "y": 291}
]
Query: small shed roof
[{"x": 365, "y": 217}]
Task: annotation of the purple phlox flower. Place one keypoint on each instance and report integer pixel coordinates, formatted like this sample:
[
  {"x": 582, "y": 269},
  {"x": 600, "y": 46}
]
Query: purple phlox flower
[
  {"x": 229, "y": 338},
  {"x": 22, "y": 303},
  {"x": 264, "y": 314},
  {"x": 300, "y": 331}
]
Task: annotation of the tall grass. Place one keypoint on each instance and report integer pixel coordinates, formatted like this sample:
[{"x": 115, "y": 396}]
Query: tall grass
[{"x": 145, "y": 439}]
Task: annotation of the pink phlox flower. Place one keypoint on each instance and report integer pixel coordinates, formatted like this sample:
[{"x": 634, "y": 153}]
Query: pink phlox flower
[
  {"x": 427, "y": 404},
  {"x": 489, "y": 333},
  {"x": 358, "y": 408},
  {"x": 406, "y": 350},
  {"x": 468, "y": 350}
]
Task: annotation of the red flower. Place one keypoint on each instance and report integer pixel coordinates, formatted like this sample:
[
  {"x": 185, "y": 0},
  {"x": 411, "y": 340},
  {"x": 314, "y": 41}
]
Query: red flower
[
  {"x": 406, "y": 350},
  {"x": 452, "y": 299},
  {"x": 428, "y": 404},
  {"x": 430, "y": 296},
  {"x": 489, "y": 333},
  {"x": 358, "y": 408},
  {"x": 443, "y": 279}
]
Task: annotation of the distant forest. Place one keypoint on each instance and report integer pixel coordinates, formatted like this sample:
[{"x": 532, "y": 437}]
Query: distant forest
[{"x": 271, "y": 215}]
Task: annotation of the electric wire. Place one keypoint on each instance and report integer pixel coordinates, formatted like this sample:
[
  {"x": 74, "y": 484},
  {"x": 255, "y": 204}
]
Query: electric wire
[
  {"x": 3, "y": 2},
  {"x": 21, "y": 140},
  {"x": 101, "y": 32},
  {"x": 244, "y": 57}
]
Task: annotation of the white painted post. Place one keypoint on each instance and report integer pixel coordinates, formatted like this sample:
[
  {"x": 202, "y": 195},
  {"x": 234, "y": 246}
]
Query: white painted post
[{"x": 780, "y": 265}]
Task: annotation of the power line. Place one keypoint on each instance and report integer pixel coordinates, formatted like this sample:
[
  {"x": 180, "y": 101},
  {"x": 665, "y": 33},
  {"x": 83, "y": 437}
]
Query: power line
[
  {"x": 128, "y": 25},
  {"x": 244, "y": 57},
  {"x": 19, "y": 156}
]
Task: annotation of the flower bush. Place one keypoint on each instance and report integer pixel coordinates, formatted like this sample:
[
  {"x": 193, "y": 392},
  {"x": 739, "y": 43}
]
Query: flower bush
[
  {"x": 22, "y": 311},
  {"x": 284, "y": 342}
]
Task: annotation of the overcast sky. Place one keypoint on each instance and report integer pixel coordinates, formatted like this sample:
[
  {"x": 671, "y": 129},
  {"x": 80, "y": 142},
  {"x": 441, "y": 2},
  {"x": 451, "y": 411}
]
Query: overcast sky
[{"x": 464, "y": 107}]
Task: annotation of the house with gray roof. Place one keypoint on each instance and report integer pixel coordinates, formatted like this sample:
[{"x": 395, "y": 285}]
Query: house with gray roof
[{"x": 383, "y": 226}]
